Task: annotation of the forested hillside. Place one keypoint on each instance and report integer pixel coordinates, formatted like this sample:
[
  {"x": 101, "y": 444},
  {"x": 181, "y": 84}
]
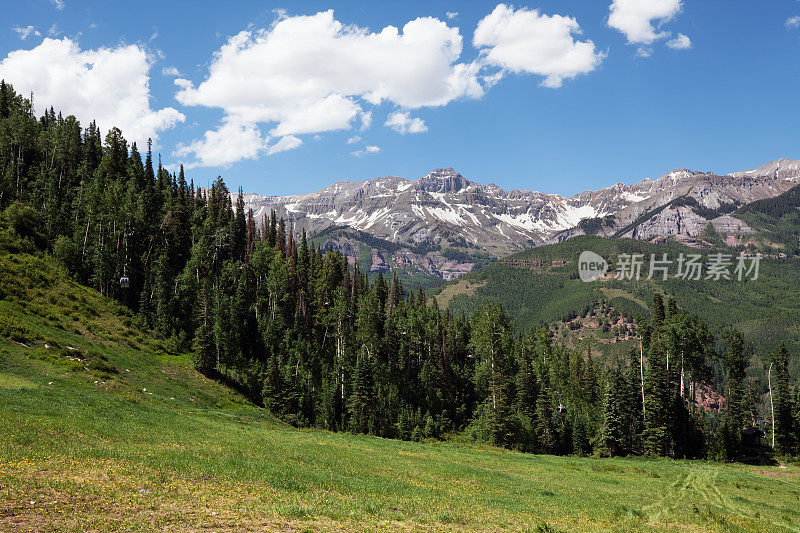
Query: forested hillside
[
  {"x": 313, "y": 340},
  {"x": 765, "y": 310},
  {"x": 776, "y": 221}
]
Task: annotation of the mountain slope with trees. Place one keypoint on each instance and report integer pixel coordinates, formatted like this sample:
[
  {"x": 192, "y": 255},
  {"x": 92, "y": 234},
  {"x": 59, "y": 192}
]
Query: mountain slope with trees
[{"x": 320, "y": 345}]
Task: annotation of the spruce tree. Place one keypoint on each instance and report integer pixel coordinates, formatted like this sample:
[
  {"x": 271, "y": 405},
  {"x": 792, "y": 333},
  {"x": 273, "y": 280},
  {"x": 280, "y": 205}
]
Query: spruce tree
[
  {"x": 657, "y": 315},
  {"x": 657, "y": 402},
  {"x": 735, "y": 411},
  {"x": 613, "y": 430},
  {"x": 782, "y": 402},
  {"x": 204, "y": 355},
  {"x": 361, "y": 400}
]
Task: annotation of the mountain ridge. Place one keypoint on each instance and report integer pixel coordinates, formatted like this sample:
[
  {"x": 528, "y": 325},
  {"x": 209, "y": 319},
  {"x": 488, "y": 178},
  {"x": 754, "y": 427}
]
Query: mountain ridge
[{"x": 444, "y": 210}]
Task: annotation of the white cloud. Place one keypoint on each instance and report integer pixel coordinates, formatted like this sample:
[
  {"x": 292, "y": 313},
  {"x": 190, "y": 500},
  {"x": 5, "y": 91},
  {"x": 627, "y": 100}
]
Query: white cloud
[
  {"x": 354, "y": 139},
  {"x": 26, "y": 31},
  {"x": 59, "y": 4},
  {"x": 403, "y": 123},
  {"x": 227, "y": 144},
  {"x": 333, "y": 112},
  {"x": 451, "y": 15},
  {"x": 793, "y": 22},
  {"x": 366, "y": 120},
  {"x": 644, "y": 51},
  {"x": 526, "y": 41},
  {"x": 107, "y": 84},
  {"x": 366, "y": 151},
  {"x": 290, "y": 142},
  {"x": 311, "y": 74},
  {"x": 635, "y": 18},
  {"x": 170, "y": 71},
  {"x": 681, "y": 42}
]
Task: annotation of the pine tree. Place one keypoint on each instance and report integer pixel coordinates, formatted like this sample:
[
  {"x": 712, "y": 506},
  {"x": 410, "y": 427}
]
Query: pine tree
[
  {"x": 737, "y": 363},
  {"x": 657, "y": 317},
  {"x": 613, "y": 429},
  {"x": 238, "y": 230},
  {"x": 782, "y": 402},
  {"x": 491, "y": 342},
  {"x": 735, "y": 411},
  {"x": 280, "y": 237},
  {"x": 656, "y": 403},
  {"x": 204, "y": 351},
  {"x": 362, "y": 400},
  {"x": 5, "y": 98},
  {"x": 545, "y": 431},
  {"x": 250, "y": 236}
]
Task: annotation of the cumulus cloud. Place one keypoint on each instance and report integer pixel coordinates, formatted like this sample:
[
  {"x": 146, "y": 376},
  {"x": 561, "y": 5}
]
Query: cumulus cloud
[
  {"x": 681, "y": 42},
  {"x": 635, "y": 18},
  {"x": 107, "y": 84},
  {"x": 451, "y": 15},
  {"x": 227, "y": 144},
  {"x": 26, "y": 31},
  {"x": 312, "y": 74},
  {"x": 525, "y": 41},
  {"x": 366, "y": 151},
  {"x": 354, "y": 139},
  {"x": 170, "y": 71},
  {"x": 793, "y": 22},
  {"x": 403, "y": 123},
  {"x": 290, "y": 142}
]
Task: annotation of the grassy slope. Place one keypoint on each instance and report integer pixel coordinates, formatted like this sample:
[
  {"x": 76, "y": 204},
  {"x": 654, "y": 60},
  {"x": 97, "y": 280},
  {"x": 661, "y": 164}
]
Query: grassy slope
[{"x": 95, "y": 451}]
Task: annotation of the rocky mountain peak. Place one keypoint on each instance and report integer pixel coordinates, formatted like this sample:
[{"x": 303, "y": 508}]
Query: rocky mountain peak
[
  {"x": 418, "y": 220},
  {"x": 782, "y": 169},
  {"x": 442, "y": 180}
]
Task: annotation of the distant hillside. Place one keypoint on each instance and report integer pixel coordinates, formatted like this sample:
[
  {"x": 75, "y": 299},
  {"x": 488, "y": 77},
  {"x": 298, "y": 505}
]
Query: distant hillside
[
  {"x": 776, "y": 223},
  {"x": 766, "y": 310},
  {"x": 416, "y": 265}
]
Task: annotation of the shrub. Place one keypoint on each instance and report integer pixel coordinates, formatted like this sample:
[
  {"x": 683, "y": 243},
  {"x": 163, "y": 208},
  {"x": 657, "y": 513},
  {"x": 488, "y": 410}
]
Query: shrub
[
  {"x": 101, "y": 367},
  {"x": 66, "y": 252},
  {"x": 11, "y": 329},
  {"x": 55, "y": 357}
]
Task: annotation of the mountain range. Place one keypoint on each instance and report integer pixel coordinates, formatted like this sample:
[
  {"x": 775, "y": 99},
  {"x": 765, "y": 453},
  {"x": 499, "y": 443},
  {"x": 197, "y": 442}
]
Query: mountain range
[{"x": 442, "y": 225}]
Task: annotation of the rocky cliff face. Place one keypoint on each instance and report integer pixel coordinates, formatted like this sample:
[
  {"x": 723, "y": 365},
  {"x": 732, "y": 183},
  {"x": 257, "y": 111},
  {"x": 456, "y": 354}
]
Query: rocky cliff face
[
  {"x": 683, "y": 202},
  {"x": 445, "y": 211}
]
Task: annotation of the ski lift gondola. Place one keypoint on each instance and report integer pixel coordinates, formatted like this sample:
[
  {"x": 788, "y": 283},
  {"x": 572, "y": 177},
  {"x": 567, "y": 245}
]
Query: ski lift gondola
[{"x": 124, "y": 281}]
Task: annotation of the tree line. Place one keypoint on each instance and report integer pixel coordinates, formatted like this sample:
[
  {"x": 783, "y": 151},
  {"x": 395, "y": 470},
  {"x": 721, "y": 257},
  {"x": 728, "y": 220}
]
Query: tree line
[{"x": 321, "y": 344}]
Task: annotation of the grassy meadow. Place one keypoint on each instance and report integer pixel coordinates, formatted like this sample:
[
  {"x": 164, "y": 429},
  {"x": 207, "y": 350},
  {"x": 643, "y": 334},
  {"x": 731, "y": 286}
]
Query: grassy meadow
[{"x": 102, "y": 428}]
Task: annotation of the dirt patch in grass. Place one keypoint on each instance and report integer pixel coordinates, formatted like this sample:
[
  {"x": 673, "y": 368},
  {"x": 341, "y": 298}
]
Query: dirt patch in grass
[{"x": 776, "y": 474}]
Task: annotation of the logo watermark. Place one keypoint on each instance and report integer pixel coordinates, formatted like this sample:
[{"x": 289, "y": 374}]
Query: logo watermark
[
  {"x": 591, "y": 266},
  {"x": 692, "y": 267}
]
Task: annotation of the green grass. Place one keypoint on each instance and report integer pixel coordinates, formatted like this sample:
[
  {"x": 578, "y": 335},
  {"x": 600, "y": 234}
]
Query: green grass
[{"x": 153, "y": 445}]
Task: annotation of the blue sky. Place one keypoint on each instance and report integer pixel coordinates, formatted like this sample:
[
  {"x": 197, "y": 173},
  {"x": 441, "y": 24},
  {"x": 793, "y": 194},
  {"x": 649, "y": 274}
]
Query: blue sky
[{"x": 717, "y": 90}]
